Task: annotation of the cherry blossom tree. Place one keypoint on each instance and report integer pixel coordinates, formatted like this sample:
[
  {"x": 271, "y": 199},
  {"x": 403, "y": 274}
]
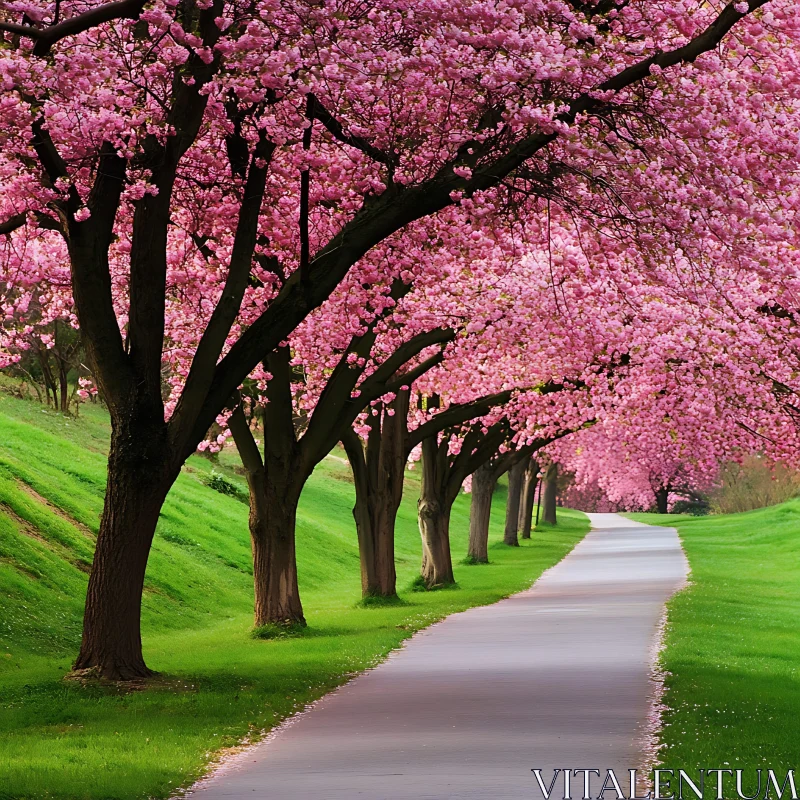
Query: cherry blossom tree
[
  {"x": 339, "y": 127},
  {"x": 277, "y": 479}
]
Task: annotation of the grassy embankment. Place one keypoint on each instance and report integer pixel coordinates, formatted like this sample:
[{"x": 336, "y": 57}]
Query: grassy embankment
[
  {"x": 733, "y": 646},
  {"x": 61, "y": 739}
]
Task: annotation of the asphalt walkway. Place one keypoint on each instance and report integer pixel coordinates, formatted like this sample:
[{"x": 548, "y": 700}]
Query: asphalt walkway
[{"x": 556, "y": 676}]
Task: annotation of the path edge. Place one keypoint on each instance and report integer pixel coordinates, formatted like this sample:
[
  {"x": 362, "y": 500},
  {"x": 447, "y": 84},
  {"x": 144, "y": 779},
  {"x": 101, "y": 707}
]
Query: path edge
[
  {"x": 649, "y": 739},
  {"x": 228, "y": 759}
]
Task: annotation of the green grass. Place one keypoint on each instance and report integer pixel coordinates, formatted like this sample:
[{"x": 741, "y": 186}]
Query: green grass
[
  {"x": 220, "y": 683},
  {"x": 733, "y": 646}
]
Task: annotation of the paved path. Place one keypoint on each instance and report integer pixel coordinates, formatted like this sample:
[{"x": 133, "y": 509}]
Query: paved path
[{"x": 557, "y": 676}]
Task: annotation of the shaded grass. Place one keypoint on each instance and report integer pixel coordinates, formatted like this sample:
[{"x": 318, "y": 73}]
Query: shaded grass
[
  {"x": 377, "y": 601},
  {"x": 275, "y": 631},
  {"x": 733, "y": 645},
  {"x": 74, "y": 740}
]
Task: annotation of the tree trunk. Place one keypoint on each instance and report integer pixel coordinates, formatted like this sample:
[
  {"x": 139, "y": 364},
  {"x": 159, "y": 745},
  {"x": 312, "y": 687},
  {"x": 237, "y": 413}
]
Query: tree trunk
[
  {"x": 434, "y": 527},
  {"x": 375, "y": 512},
  {"x": 138, "y": 483},
  {"x": 434, "y": 517},
  {"x": 528, "y": 496},
  {"x": 550, "y": 491},
  {"x": 375, "y": 523},
  {"x": 273, "y": 518},
  {"x": 662, "y": 499},
  {"x": 62, "y": 377},
  {"x": 378, "y": 472},
  {"x": 484, "y": 481},
  {"x": 47, "y": 377},
  {"x": 516, "y": 476},
  {"x": 275, "y": 484}
]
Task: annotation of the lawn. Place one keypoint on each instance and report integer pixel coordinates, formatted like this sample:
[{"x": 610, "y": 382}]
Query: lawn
[
  {"x": 62, "y": 739},
  {"x": 733, "y": 646}
]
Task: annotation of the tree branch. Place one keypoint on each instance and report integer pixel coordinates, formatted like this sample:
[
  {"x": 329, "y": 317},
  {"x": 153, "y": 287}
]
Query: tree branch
[
  {"x": 478, "y": 448},
  {"x": 337, "y": 392},
  {"x": 305, "y": 191},
  {"x": 485, "y": 177},
  {"x": 153, "y": 213},
  {"x": 335, "y": 128},
  {"x": 227, "y": 308},
  {"x": 245, "y": 442},
  {"x": 13, "y": 223},
  {"x": 456, "y": 414},
  {"x": 375, "y": 385},
  {"x": 45, "y": 38},
  {"x": 339, "y": 411},
  {"x": 408, "y": 378},
  {"x": 354, "y": 448}
]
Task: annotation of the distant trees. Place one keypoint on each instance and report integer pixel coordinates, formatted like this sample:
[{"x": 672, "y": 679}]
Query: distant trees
[
  {"x": 753, "y": 483},
  {"x": 52, "y": 365}
]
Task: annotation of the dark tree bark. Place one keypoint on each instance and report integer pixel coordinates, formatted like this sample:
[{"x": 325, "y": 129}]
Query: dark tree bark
[
  {"x": 484, "y": 481},
  {"x": 63, "y": 353},
  {"x": 375, "y": 525},
  {"x": 378, "y": 472},
  {"x": 662, "y": 500},
  {"x": 516, "y": 476},
  {"x": 273, "y": 517},
  {"x": 138, "y": 481},
  {"x": 490, "y": 471},
  {"x": 528, "y": 496},
  {"x": 47, "y": 376},
  {"x": 442, "y": 477},
  {"x": 550, "y": 493},
  {"x": 275, "y": 482},
  {"x": 64, "y": 386}
]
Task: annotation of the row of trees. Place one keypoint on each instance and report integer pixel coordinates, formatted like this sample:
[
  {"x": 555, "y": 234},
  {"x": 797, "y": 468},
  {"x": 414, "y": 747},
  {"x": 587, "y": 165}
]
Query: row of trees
[{"x": 551, "y": 196}]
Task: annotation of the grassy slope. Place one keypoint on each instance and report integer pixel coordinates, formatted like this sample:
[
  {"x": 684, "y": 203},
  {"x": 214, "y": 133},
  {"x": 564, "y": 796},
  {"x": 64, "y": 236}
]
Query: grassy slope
[
  {"x": 733, "y": 645},
  {"x": 60, "y": 739}
]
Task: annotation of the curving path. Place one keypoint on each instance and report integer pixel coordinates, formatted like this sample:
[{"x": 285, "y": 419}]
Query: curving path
[{"x": 556, "y": 676}]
